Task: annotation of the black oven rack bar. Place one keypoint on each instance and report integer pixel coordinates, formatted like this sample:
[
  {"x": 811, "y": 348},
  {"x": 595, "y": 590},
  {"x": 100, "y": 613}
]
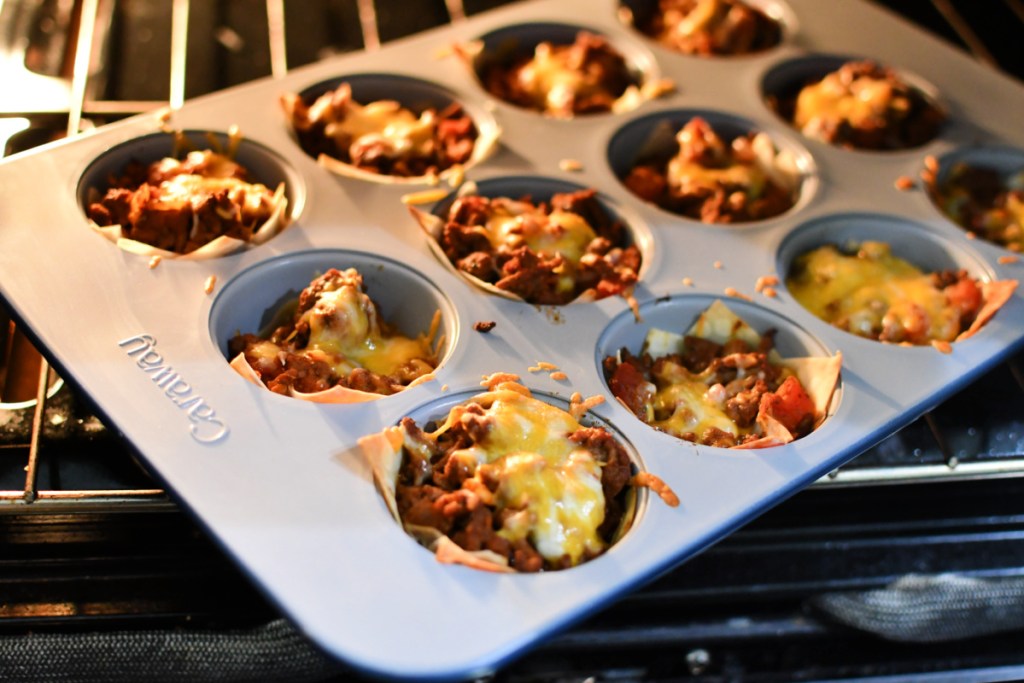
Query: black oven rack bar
[{"x": 967, "y": 437}]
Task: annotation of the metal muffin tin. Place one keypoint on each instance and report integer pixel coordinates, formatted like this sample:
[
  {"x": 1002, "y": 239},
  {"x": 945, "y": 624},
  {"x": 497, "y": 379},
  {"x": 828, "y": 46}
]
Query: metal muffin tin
[{"x": 280, "y": 482}]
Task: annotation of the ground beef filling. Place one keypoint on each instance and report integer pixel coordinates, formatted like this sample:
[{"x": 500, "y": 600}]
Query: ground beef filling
[
  {"x": 709, "y": 179},
  {"x": 608, "y": 265},
  {"x": 734, "y": 376},
  {"x": 167, "y": 204},
  {"x": 584, "y": 77},
  {"x": 711, "y": 27},
  {"x": 430, "y": 492}
]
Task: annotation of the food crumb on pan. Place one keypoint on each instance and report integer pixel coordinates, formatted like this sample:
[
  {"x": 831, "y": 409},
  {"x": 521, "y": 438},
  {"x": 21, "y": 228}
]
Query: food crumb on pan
[
  {"x": 1005, "y": 260},
  {"x": 927, "y": 176},
  {"x": 154, "y": 261},
  {"x": 970, "y": 234},
  {"x": 943, "y": 346},
  {"x": 494, "y": 379},
  {"x": 634, "y": 306},
  {"x": 658, "y": 88},
  {"x": 931, "y": 163},
  {"x": 688, "y": 281},
  {"x": 656, "y": 484},
  {"x": 424, "y": 196},
  {"x": 559, "y": 376},
  {"x": 456, "y": 174},
  {"x": 718, "y": 265},
  {"x": 163, "y": 116},
  {"x": 904, "y": 182},
  {"x": 765, "y": 282},
  {"x": 570, "y": 165},
  {"x": 733, "y": 292},
  {"x": 210, "y": 283},
  {"x": 578, "y": 405},
  {"x": 770, "y": 292},
  {"x": 542, "y": 365},
  {"x": 484, "y": 326},
  {"x": 444, "y": 387}
]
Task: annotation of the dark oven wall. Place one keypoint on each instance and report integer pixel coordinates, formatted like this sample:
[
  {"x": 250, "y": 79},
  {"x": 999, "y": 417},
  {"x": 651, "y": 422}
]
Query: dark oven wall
[{"x": 95, "y": 555}]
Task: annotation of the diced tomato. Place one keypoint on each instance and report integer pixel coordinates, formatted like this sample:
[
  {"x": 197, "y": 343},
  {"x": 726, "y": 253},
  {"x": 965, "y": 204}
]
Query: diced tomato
[
  {"x": 628, "y": 385},
  {"x": 790, "y": 404},
  {"x": 965, "y": 296}
]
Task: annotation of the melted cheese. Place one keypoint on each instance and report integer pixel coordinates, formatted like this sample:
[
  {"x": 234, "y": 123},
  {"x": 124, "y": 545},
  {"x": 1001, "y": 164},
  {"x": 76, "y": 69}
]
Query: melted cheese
[
  {"x": 194, "y": 190},
  {"x": 684, "y": 399},
  {"x": 549, "y": 80},
  {"x": 873, "y": 293},
  {"x": 689, "y": 176},
  {"x": 513, "y": 223},
  {"x": 398, "y": 131},
  {"x": 553, "y": 484},
  {"x": 866, "y": 102},
  {"x": 345, "y": 329}
]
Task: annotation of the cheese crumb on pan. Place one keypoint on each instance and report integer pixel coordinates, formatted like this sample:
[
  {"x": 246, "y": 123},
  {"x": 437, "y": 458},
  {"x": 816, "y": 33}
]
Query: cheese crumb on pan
[
  {"x": 578, "y": 407},
  {"x": 655, "y": 483},
  {"x": 424, "y": 197},
  {"x": 210, "y": 283},
  {"x": 733, "y": 292},
  {"x": 542, "y": 365},
  {"x": 154, "y": 261},
  {"x": 496, "y": 378},
  {"x": 904, "y": 182},
  {"x": 764, "y": 282}
]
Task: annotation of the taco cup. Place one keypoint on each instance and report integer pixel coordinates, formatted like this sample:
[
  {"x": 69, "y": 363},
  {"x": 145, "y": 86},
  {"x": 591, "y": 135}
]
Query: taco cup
[
  {"x": 507, "y": 482},
  {"x": 332, "y": 346},
  {"x": 385, "y": 140},
  {"x": 721, "y": 383},
  {"x": 192, "y": 204}
]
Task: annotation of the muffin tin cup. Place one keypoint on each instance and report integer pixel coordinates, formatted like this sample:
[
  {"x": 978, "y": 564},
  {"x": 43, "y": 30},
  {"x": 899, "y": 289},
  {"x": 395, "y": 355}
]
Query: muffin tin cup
[
  {"x": 406, "y": 300},
  {"x": 1004, "y": 160},
  {"x": 280, "y": 484},
  {"x": 921, "y": 247},
  {"x": 634, "y": 498},
  {"x": 264, "y": 166},
  {"x": 416, "y": 95},
  {"x": 797, "y": 348},
  {"x": 637, "y": 13},
  {"x": 783, "y": 81},
  {"x": 653, "y": 137},
  {"x": 506, "y": 44}
]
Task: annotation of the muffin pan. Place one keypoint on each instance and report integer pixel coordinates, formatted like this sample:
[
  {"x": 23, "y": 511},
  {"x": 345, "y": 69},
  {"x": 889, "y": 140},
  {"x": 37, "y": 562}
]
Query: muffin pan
[{"x": 281, "y": 484}]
